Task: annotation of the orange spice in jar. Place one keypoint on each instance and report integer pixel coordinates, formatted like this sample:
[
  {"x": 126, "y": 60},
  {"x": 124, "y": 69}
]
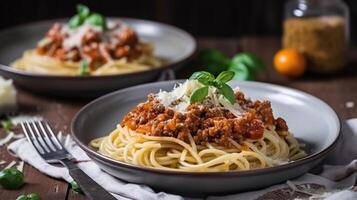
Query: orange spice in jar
[{"x": 321, "y": 37}]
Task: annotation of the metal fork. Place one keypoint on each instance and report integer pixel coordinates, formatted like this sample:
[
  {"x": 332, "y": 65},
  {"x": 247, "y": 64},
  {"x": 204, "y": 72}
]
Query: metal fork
[{"x": 42, "y": 138}]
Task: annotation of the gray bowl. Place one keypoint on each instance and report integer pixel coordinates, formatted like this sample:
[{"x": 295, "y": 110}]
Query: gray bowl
[
  {"x": 311, "y": 120},
  {"x": 172, "y": 44}
]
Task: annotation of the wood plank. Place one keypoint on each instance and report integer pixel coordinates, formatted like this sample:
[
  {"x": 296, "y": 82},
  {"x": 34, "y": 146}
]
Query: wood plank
[{"x": 336, "y": 93}]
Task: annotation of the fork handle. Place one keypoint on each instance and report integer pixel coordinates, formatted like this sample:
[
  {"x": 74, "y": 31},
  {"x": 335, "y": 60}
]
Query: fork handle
[{"x": 90, "y": 188}]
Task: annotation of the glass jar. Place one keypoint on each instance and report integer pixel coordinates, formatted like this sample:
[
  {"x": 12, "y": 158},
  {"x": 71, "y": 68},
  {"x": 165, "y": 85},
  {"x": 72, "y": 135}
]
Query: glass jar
[{"x": 320, "y": 30}]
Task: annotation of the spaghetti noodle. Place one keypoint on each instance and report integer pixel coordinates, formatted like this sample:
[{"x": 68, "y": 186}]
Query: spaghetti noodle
[
  {"x": 171, "y": 153},
  {"x": 167, "y": 132}
]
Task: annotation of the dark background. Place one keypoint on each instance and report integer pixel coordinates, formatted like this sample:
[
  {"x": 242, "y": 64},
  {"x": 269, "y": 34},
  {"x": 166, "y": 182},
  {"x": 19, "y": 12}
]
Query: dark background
[{"x": 216, "y": 18}]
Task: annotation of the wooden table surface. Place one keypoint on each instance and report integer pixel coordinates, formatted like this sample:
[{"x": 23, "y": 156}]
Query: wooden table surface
[{"x": 335, "y": 89}]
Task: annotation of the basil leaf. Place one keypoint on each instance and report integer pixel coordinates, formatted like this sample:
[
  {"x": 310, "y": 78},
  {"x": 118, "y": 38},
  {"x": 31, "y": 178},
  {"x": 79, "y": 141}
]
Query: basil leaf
[
  {"x": 251, "y": 61},
  {"x": 96, "y": 19},
  {"x": 75, "y": 187},
  {"x": 225, "y": 76},
  {"x": 199, "y": 94},
  {"x": 241, "y": 71},
  {"x": 11, "y": 178},
  {"x": 227, "y": 92},
  {"x": 7, "y": 125},
  {"x": 83, "y": 11},
  {"x": 216, "y": 84},
  {"x": 33, "y": 196},
  {"x": 202, "y": 76},
  {"x": 84, "y": 68},
  {"x": 213, "y": 60},
  {"x": 22, "y": 197},
  {"x": 75, "y": 22}
]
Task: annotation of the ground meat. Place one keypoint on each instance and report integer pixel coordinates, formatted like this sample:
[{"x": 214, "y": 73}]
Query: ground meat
[
  {"x": 204, "y": 122},
  {"x": 93, "y": 46},
  {"x": 264, "y": 111},
  {"x": 280, "y": 125}
]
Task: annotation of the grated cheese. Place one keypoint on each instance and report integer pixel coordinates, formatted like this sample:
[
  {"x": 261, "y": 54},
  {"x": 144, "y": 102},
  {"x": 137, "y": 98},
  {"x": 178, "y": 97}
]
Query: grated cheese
[
  {"x": 180, "y": 93},
  {"x": 179, "y": 98},
  {"x": 75, "y": 36},
  {"x": 17, "y": 120},
  {"x": 60, "y": 136},
  {"x": 7, "y": 93},
  {"x": 24, "y": 118},
  {"x": 350, "y": 104},
  {"x": 20, "y": 166},
  {"x": 18, "y": 136},
  {"x": 67, "y": 141},
  {"x": 11, "y": 164},
  {"x": 6, "y": 139}
]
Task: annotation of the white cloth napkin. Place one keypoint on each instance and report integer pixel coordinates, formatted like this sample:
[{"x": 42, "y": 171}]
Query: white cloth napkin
[{"x": 339, "y": 172}]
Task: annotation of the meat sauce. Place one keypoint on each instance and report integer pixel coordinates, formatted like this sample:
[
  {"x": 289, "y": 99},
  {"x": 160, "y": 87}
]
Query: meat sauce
[
  {"x": 92, "y": 47},
  {"x": 205, "y": 122}
]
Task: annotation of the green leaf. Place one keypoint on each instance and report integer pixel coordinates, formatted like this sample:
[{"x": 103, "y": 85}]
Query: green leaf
[
  {"x": 251, "y": 61},
  {"x": 241, "y": 71},
  {"x": 216, "y": 84},
  {"x": 22, "y": 197},
  {"x": 7, "y": 125},
  {"x": 227, "y": 92},
  {"x": 213, "y": 60},
  {"x": 83, "y": 11},
  {"x": 225, "y": 76},
  {"x": 11, "y": 178},
  {"x": 202, "y": 76},
  {"x": 33, "y": 196},
  {"x": 75, "y": 187},
  {"x": 199, "y": 95},
  {"x": 75, "y": 22},
  {"x": 96, "y": 19},
  {"x": 84, "y": 68}
]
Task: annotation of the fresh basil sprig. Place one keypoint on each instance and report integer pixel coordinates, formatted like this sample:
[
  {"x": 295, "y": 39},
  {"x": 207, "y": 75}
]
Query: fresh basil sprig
[
  {"x": 245, "y": 65},
  {"x": 84, "y": 16},
  {"x": 207, "y": 79}
]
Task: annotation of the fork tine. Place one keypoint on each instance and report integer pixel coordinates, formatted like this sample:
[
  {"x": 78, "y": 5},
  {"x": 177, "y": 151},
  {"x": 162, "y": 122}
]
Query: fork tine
[
  {"x": 50, "y": 142},
  {"x": 39, "y": 149},
  {"x": 53, "y": 136},
  {"x": 39, "y": 136}
]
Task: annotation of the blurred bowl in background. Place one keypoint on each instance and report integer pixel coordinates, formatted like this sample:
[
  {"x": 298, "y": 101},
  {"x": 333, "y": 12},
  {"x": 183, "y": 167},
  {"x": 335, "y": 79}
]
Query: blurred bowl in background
[{"x": 172, "y": 44}]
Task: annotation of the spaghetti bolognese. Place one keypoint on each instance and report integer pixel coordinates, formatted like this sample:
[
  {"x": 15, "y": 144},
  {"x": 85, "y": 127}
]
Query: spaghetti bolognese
[
  {"x": 89, "y": 45},
  {"x": 173, "y": 131}
]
